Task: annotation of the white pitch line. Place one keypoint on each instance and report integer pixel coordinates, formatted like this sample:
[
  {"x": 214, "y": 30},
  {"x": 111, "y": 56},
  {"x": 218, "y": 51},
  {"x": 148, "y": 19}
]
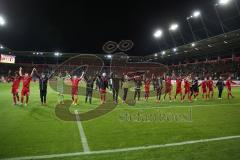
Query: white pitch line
[
  {"x": 124, "y": 149},
  {"x": 82, "y": 134}
]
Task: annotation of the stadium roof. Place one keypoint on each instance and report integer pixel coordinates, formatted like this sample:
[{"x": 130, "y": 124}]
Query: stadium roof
[{"x": 220, "y": 45}]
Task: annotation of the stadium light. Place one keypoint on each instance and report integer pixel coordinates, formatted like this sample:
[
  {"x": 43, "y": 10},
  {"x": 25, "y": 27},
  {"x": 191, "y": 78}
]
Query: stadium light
[
  {"x": 193, "y": 44},
  {"x": 163, "y": 52},
  {"x": 57, "y": 54},
  {"x": 155, "y": 54},
  {"x": 173, "y": 27},
  {"x": 174, "y": 49},
  {"x": 158, "y": 33},
  {"x": 1, "y": 47},
  {"x": 196, "y": 14},
  {"x": 223, "y": 2},
  {"x": 2, "y": 21},
  {"x": 109, "y": 56}
]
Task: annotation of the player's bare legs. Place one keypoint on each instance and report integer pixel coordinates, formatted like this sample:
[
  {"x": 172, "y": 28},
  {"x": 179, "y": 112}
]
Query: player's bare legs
[{"x": 229, "y": 93}]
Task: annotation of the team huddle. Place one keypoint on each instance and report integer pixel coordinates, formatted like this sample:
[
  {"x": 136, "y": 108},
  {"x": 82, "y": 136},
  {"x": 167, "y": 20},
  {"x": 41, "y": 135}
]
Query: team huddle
[{"x": 186, "y": 87}]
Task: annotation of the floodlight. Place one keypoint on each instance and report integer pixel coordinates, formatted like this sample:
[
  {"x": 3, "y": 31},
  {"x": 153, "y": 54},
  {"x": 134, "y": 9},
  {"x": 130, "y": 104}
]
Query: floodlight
[
  {"x": 196, "y": 14},
  {"x": 173, "y": 27},
  {"x": 193, "y": 44},
  {"x": 2, "y": 21},
  {"x": 163, "y": 52},
  {"x": 109, "y": 56},
  {"x": 223, "y": 2},
  {"x": 158, "y": 33},
  {"x": 57, "y": 54}
]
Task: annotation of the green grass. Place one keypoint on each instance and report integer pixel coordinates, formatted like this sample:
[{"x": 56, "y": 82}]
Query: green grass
[{"x": 36, "y": 130}]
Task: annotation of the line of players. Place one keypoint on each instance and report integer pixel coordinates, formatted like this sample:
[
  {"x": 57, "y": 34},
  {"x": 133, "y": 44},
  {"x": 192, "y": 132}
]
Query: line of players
[{"x": 161, "y": 84}]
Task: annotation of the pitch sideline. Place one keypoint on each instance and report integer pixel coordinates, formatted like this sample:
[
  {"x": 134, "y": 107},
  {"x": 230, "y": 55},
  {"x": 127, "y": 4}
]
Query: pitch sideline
[{"x": 124, "y": 149}]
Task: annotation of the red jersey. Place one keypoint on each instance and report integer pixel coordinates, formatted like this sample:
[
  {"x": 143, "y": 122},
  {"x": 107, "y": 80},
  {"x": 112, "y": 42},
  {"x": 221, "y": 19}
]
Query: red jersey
[
  {"x": 26, "y": 81},
  {"x": 16, "y": 82},
  {"x": 204, "y": 85},
  {"x": 210, "y": 84},
  {"x": 75, "y": 82},
  {"x": 147, "y": 85},
  {"x": 187, "y": 84},
  {"x": 229, "y": 84},
  {"x": 168, "y": 82},
  {"x": 178, "y": 84}
]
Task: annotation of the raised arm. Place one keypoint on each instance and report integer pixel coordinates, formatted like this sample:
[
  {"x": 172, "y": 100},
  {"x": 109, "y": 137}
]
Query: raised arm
[
  {"x": 50, "y": 75},
  {"x": 153, "y": 77},
  {"x": 34, "y": 69},
  {"x": 83, "y": 73},
  {"x": 38, "y": 75},
  {"x": 20, "y": 71}
]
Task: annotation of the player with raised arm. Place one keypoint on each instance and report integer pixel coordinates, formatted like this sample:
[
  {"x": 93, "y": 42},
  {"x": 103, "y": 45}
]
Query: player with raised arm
[
  {"x": 16, "y": 79},
  {"x": 210, "y": 85},
  {"x": 115, "y": 86},
  {"x": 147, "y": 83},
  {"x": 204, "y": 88},
  {"x": 158, "y": 87},
  {"x": 187, "y": 88},
  {"x": 89, "y": 87},
  {"x": 179, "y": 88},
  {"x": 60, "y": 86},
  {"x": 26, "y": 79},
  {"x": 138, "y": 85},
  {"x": 195, "y": 88},
  {"x": 168, "y": 87},
  {"x": 103, "y": 85},
  {"x": 43, "y": 83},
  {"x": 75, "y": 81}
]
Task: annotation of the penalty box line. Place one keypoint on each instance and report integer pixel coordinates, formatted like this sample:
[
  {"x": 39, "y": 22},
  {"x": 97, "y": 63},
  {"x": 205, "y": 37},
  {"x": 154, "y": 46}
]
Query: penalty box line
[
  {"x": 124, "y": 149},
  {"x": 82, "y": 133}
]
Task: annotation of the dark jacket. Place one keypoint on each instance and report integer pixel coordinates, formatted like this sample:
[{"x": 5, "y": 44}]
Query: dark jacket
[
  {"x": 103, "y": 82},
  {"x": 43, "y": 83},
  {"x": 220, "y": 84},
  {"x": 90, "y": 84},
  {"x": 138, "y": 84}
]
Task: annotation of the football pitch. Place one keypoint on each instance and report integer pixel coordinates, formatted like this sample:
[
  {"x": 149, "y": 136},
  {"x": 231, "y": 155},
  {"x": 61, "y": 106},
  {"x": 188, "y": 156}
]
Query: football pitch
[{"x": 200, "y": 130}]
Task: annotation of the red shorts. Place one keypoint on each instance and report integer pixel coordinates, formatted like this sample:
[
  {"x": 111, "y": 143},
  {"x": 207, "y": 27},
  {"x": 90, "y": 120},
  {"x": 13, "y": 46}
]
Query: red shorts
[
  {"x": 178, "y": 91},
  {"x": 14, "y": 90},
  {"x": 25, "y": 92},
  {"x": 204, "y": 90},
  {"x": 74, "y": 91},
  {"x": 102, "y": 91},
  {"x": 210, "y": 89},
  {"x": 168, "y": 89},
  {"x": 146, "y": 89},
  {"x": 229, "y": 89},
  {"x": 187, "y": 91}
]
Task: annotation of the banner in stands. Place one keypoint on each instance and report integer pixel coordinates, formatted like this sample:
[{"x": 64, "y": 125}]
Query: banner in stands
[{"x": 7, "y": 59}]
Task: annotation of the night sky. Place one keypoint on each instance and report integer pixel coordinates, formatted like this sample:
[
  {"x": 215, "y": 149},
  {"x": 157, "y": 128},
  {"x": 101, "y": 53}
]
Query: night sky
[{"x": 84, "y": 26}]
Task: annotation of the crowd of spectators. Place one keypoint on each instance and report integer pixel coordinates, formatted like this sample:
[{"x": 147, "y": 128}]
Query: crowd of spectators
[{"x": 215, "y": 68}]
